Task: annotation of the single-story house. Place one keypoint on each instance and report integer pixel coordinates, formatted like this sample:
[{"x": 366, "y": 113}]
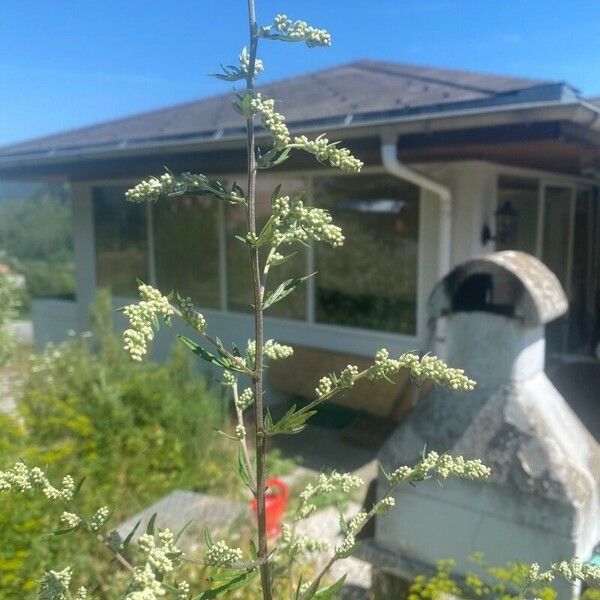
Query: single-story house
[{"x": 457, "y": 164}]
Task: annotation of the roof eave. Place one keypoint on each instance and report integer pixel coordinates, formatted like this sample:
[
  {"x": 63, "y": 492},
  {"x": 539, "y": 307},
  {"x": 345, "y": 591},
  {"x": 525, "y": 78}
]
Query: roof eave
[{"x": 579, "y": 112}]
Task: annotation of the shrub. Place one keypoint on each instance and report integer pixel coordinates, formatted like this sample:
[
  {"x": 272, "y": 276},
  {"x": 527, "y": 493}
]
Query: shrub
[{"x": 83, "y": 408}]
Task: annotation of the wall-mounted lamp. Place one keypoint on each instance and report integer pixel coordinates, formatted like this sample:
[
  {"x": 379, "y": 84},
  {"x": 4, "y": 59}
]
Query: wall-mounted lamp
[{"x": 506, "y": 224}]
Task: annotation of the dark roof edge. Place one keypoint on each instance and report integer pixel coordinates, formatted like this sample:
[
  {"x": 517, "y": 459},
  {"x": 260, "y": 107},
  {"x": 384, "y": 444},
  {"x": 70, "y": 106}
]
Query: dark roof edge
[{"x": 580, "y": 112}]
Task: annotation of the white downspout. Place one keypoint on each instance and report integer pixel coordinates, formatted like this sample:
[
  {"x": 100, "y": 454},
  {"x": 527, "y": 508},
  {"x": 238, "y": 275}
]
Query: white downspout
[{"x": 389, "y": 158}]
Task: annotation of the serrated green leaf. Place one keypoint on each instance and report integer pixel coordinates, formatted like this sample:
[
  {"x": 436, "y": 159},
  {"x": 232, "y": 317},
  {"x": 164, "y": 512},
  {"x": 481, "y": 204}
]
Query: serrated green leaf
[
  {"x": 130, "y": 535},
  {"x": 78, "y": 486},
  {"x": 207, "y": 538},
  {"x": 266, "y": 234},
  {"x": 242, "y": 469},
  {"x": 65, "y": 531},
  {"x": 151, "y": 524},
  {"x": 220, "y": 361},
  {"x": 236, "y": 581},
  {"x": 221, "y": 432},
  {"x": 292, "y": 422},
  {"x": 284, "y": 289},
  {"x": 331, "y": 591},
  {"x": 246, "y": 105},
  {"x": 182, "y": 531},
  {"x": 275, "y": 193}
]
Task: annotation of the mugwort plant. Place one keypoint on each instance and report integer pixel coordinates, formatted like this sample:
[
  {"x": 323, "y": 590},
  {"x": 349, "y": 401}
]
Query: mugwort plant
[{"x": 292, "y": 222}]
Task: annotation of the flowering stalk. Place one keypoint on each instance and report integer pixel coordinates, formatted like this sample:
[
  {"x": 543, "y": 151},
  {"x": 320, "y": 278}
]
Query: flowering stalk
[
  {"x": 258, "y": 290},
  {"x": 432, "y": 465}
]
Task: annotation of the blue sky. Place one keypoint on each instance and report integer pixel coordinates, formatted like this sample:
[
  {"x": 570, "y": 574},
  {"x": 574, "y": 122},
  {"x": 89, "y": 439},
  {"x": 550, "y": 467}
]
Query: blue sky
[{"x": 66, "y": 63}]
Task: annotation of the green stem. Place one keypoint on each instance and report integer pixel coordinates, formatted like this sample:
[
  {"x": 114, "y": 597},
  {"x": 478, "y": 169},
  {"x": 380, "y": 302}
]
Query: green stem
[{"x": 257, "y": 379}]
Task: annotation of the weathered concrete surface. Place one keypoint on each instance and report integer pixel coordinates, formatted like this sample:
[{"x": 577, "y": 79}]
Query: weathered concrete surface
[
  {"x": 543, "y": 501},
  {"x": 520, "y": 279},
  {"x": 180, "y": 507}
]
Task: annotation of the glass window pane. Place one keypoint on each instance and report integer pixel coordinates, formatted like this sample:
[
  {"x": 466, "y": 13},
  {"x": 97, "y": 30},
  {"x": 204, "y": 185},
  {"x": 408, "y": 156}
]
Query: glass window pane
[
  {"x": 557, "y": 212},
  {"x": 522, "y": 194},
  {"x": 371, "y": 281},
  {"x": 121, "y": 241},
  {"x": 186, "y": 239},
  {"x": 239, "y": 285},
  {"x": 581, "y": 312}
]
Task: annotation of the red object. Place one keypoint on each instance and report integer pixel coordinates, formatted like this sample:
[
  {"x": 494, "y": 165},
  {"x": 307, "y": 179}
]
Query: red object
[{"x": 276, "y": 501}]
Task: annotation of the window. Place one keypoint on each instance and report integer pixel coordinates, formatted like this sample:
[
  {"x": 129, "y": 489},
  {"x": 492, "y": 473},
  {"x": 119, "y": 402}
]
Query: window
[
  {"x": 238, "y": 279},
  {"x": 371, "y": 281},
  {"x": 522, "y": 194},
  {"x": 557, "y": 216},
  {"x": 186, "y": 239},
  {"x": 121, "y": 241}
]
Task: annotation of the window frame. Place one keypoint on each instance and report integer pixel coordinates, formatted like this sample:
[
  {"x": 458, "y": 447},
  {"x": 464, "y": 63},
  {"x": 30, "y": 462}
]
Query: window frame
[{"x": 309, "y": 332}]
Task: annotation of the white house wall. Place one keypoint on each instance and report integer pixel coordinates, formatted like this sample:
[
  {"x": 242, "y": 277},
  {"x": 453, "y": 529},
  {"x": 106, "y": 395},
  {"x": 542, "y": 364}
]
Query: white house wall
[{"x": 473, "y": 186}]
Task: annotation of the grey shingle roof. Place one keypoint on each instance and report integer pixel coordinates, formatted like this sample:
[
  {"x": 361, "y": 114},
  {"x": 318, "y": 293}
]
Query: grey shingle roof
[{"x": 361, "y": 89}]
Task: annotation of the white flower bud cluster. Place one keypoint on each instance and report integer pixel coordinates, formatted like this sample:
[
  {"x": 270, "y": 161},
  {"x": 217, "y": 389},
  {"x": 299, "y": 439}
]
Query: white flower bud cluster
[
  {"x": 325, "y": 387},
  {"x": 575, "y": 570},
  {"x": 183, "y": 590},
  {"x": 192, "y": 317},
  {"x": 326, "y": 484},
  {"x": 70, "y": 519},
  {"x": 429, "y": 367},
  {"x": 384, "y": 505},
  {"x": 344, "y": 550},
  {"x": 277, "y": 351},
  {"x": 245, "y": 399},
  {"x": 345, "y": 379},
  {"x": 167, "y": 184},
  {"x": 357, "y": 522},
  {"x": 300, "y": 31},
  {"x": 142, "y": 317},
  {"x": 99, "y": 518},
  {"x": 159, "y": 556},
  {"x": 240, "y": 432},
  {"x": 536, "y": 575},
  {"x": 148, "y": 587},
  {"x": 22, "y": 479},
  {"x": 442, "y": 467},
  {"x": 348, "y": 376},
  {"x": 273, "y": 122},
  {"x": 433, "y": 368},
  {"x": 221, "y": 554},
  {"x": 54, "y": 585},
  {"x": 228, "y": 378},
  {"x": 293, "y": 544},
  {"x": 245, "y": 63},
  {"x": 326, "y": 152},
  {"x": 295, "y": 222}
]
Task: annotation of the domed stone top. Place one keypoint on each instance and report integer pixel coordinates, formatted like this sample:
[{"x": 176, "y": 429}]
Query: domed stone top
[{"x": 511, "y": 283}]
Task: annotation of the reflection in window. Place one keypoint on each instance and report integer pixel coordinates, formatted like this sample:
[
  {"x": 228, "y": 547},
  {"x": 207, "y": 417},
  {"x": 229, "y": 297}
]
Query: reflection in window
[
  {"x": 239, "y": 288},
  {"x": 371, "y": 281},
  {"x": 121, "y": 241},
  {"x": 557, "y": 216},
  {"x": 522, "y": 194},
  {"x": 186, "y": 238}
]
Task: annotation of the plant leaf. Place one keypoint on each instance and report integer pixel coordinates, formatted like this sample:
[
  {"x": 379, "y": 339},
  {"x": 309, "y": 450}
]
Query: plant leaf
[
  {"x": 236, "y": 581},
  {"x": 284, "y": 289},
  {"x": 331, "y": 591},
  {"x": 292, "y": 422},
  {"x": 219, "y": 361},
  {"x": 130, "y": 535},
  {"x": 151, "y": 524}
]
